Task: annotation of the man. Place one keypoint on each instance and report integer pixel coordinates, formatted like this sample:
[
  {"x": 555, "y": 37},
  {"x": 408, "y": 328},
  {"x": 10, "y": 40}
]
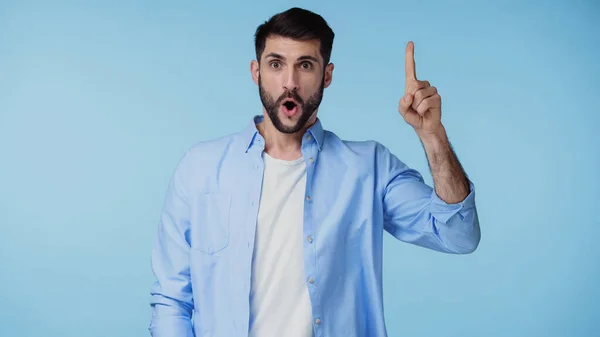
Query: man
[{"x": 277, "y": 230}]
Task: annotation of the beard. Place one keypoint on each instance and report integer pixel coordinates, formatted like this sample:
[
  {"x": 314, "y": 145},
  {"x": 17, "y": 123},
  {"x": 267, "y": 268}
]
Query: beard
[{"x": 307, "y": 108}]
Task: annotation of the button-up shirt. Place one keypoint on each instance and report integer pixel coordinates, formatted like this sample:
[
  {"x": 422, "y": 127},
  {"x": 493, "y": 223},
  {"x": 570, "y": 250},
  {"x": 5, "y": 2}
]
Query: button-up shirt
[{"x": 356, "y": 191}]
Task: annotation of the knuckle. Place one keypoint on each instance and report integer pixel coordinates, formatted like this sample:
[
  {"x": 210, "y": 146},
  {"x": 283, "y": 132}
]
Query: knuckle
[{"x": 419, "y": 95}]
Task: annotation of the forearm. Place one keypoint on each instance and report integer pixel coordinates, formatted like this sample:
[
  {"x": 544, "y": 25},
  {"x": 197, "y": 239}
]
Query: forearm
[
  {"x": 172, "y": 299},
  {"x": 449, "y": 179},
  {"x": 171, "y": 327},
  {"x": 416, "y": 214},
  {"x": 170, "y": 321},
  {"x": 171, "y": 302}
]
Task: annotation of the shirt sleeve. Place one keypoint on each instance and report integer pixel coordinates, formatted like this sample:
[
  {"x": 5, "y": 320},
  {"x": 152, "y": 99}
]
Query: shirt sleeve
[
  {"x": 171, "y": 294},
  {"x": 414, "y": 213}
]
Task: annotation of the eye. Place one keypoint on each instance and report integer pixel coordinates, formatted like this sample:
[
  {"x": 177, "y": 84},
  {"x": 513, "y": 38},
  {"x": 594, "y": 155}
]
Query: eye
[
  {"x": 275, "y": 64},
  {"x": 306, "y": 65}
]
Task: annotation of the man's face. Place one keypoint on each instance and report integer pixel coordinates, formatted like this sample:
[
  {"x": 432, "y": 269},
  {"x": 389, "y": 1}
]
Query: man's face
[{"x": 291, "y": 79}]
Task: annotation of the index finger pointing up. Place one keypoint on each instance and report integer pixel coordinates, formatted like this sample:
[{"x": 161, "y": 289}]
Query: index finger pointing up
[{"x": 409, "y": 62}]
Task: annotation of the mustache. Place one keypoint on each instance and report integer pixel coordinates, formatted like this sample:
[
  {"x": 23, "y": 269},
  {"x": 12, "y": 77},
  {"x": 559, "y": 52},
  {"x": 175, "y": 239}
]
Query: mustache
[{"x": 293, "y": 94}]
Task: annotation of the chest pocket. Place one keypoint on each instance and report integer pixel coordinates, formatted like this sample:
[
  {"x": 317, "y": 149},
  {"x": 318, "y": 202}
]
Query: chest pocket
[{"x": 210, "y": 218}]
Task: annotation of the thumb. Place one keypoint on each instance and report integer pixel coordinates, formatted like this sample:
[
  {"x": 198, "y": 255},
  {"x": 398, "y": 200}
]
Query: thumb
[{"x": 405, "y": 103}]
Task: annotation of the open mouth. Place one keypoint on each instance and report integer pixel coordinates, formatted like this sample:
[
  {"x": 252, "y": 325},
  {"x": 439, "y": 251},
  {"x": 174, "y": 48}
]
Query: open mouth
[
  {"x": 290, "y": 105},
  {"x": 290, "y": 108}
]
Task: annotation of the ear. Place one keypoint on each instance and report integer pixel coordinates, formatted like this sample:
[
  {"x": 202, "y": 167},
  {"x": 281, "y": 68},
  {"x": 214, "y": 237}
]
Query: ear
[
  {"x": 328, "y": 74},
  {"x": 254, "y": 70}
]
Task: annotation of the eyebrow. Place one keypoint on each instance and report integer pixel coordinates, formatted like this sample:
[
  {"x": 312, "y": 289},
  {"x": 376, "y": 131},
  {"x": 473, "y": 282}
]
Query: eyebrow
[{"x": 301, "y": 58}]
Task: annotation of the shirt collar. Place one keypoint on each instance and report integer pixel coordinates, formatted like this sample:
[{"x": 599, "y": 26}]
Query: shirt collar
[{"x": 251, "y": 134}]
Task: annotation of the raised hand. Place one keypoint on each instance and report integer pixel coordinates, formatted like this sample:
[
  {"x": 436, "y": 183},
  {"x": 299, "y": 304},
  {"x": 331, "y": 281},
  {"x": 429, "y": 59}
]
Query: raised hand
[{"x": 421, "y": 104}]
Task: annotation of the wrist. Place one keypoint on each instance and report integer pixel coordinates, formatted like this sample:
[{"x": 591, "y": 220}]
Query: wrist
[{"x": 434, "y": 140}]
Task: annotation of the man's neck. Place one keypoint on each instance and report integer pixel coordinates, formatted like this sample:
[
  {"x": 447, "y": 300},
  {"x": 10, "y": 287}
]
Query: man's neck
[{"x": 281, "y": 145}]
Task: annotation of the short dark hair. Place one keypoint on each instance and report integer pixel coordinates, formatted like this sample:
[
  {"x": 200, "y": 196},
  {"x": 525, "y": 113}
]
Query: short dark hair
[{"x": 299, "y": 24}]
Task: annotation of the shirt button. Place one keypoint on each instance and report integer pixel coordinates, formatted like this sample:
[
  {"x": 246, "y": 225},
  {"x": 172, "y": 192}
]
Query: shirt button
[
  {"x": 308, "y": 137},
  {"x": 308, "y": 197},
  {"x": 311, "y": 280},
  {"x": 318, "y": 321},
  {"x": 310, "y": 159},
  {"x": 309, "y": 239}
]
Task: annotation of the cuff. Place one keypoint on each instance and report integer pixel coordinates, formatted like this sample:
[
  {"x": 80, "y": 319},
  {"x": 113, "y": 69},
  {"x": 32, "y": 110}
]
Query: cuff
[
  {"x": 443, "y": 211},
  {"x": 171, "y": 326}
]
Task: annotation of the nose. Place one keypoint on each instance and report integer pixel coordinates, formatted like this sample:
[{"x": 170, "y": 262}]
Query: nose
[{"x": 290, "y": 82}]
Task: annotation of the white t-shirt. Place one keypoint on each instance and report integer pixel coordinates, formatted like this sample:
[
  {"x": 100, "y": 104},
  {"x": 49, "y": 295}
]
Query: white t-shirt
[{"x": 279, "y": 299}]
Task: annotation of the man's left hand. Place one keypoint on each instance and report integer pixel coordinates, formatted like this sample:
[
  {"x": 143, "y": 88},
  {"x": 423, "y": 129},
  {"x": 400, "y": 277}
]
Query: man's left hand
[{"x": 421, "y": 105}]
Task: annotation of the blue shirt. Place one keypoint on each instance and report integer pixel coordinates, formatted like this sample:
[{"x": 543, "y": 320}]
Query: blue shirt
[{"x": 355, "y": 191}]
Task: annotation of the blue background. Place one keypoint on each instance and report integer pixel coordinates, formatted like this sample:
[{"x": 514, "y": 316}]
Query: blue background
[{"x": 98, "y": 101}]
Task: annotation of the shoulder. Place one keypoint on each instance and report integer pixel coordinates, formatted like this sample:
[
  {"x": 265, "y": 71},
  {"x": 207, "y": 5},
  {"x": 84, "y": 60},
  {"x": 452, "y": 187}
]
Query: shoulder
[
  {"x": 214, "y": 147},
  {"x": 356, "y": 149},
  {"x": 367, "y": 156},
  {"x": 205, "y": 155}
]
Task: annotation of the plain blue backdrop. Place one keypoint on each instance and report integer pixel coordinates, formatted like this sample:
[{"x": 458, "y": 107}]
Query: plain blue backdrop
[{"x": 99, "y": 100}]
